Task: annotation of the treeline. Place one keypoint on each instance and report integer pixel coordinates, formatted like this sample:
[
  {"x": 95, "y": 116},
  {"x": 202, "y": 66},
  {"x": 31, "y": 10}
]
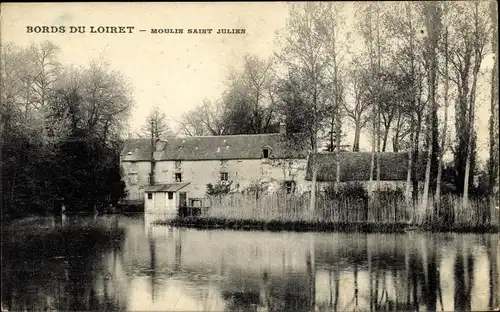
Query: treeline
[
  {"x": 406, "y": 74},
  {"x": 61, "y": 128}
]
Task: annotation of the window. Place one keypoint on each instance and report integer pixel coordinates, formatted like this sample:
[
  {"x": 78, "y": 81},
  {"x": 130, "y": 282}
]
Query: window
[
  {"x": 132, "y": 178},
  {"x": 224, "y": 176},
  {"x": 265, "y": 153},
  {"x": 290, "y": 187},
  {"x": 170, "y": 195},
  {"x": 150, "y": 195},
  {"x": 178, "y": 177}
]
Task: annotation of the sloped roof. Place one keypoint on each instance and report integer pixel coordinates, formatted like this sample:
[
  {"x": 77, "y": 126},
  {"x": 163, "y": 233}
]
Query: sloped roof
[
  {"x": 168, "y": 187},
  {"x": 355, "y": 166},
  {"x": 211, "y": 148}
]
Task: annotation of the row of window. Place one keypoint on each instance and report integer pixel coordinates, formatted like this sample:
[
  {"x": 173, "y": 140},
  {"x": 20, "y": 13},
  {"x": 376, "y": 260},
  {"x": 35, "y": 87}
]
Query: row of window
[
  {"x": 224, "y": 176},
  {"x": 169, "y": 194},
  {"x": 223, "y": 163}
]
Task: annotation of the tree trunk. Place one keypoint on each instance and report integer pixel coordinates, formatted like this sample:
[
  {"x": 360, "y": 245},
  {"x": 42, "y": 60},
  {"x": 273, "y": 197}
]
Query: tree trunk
[
  {"x": 471, "y": 134},
  {"x": 379, "y": 70},
  {"x": 410, "y": 166},
  {"x": 378, "y": 146},
  {"x": 432, "y": 25},
  {"x": 494, "y": 140},
  {"x": 472, "y": 103},
  {"x": 437, "y": 199},
  {"x": 384, "y": 140},
  {"x": 314, "y": 165},
  {"x": 425, "y": 195},
  {"x": 372, "y": 162},
  {"x": 338, "y": 130},
  {"x": 395, "y": 139},
  {"x": 331, "y": 148},
  {"x": 357, "y": 133},
  {"x": 312, "y": 202}
]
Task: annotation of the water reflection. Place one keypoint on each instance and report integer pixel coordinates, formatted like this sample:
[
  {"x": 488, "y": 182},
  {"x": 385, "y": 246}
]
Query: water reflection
[{"x": 163, "y": 268}]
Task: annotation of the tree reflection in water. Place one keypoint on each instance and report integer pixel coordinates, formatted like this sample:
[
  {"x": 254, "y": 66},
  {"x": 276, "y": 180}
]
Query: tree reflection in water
[
  {"x": 74, "y": 279},
  {"x": 261, "y": 271}
]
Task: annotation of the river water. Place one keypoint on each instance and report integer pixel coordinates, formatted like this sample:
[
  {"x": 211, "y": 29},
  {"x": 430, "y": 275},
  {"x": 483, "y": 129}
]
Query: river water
[{"x": 159, "y": 268}]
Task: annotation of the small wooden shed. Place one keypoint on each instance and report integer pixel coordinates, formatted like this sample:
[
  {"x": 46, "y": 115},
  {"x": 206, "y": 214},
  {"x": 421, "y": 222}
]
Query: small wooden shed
[{"x": 165, "y": 198}]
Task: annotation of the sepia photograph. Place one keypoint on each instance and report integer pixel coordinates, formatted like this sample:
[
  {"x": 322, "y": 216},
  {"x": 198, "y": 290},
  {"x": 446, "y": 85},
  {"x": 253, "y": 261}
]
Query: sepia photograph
[{"x": 249, "y": 156}]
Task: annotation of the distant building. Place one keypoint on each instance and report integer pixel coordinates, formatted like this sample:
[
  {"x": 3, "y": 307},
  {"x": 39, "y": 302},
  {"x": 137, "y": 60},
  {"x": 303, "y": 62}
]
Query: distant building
[
  {"x": 355, "y": 167},
  {"x": 243, "y": 159},
  {"x": 183, "y": 166}
]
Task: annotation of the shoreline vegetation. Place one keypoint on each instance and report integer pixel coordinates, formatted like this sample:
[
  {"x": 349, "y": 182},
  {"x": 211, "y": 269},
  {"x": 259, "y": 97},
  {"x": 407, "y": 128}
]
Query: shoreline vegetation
[
  {"x": 208, "y": 223},
  {"x": 21, "y": 237},
  {"x": 278, "y": 212}
]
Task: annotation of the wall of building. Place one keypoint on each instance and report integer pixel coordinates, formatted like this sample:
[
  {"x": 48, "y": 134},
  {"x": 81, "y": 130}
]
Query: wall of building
[
  {"x": 242, "y": 172},
  {"x": 136, "y": 177},
  {"x": 161, "y": 203}
]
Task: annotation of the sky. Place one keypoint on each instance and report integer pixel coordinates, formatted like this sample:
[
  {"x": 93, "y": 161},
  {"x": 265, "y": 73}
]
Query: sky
[{"x": 173, "y": 71}]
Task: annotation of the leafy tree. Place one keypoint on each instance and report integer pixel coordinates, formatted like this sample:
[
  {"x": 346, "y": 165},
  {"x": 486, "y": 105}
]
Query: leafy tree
[{"x": 61, "y": 129}]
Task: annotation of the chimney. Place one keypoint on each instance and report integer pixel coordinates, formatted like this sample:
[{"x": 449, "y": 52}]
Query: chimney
[{"x": 282, "y": 128}]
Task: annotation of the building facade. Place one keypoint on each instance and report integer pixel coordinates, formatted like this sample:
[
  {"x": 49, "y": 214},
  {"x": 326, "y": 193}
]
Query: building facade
[{"x": 242, "y": 160}]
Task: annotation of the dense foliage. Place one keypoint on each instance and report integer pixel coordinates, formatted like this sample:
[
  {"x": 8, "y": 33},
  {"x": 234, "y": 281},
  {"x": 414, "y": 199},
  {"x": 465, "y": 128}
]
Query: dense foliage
[{"x": 61, "y": 129}]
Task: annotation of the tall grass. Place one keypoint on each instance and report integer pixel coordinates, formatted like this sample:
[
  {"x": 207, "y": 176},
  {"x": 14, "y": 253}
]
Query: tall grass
[{"x": 388, "y": 210}]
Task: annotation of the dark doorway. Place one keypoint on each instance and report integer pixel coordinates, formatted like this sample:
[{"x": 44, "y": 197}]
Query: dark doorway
[{"x": 182, "y": 199}]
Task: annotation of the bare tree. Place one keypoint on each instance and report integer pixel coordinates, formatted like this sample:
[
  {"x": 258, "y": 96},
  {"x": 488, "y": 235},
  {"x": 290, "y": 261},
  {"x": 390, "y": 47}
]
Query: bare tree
[
  {"x": 305, "y": 48},
  {"x": 494, "y": 143},
  {"x": 206, "y": 119},
  {"x": 433, "y": 24},
  {"x": 446, "y": 79},
  {"x": 357, "y": 112},
  {"x": 371, "y": 30},
  {"x": 249, "y": 101},
  {"x": 480, "y": 32},
  {"x": 156, "y": 124},
  {"x": 93, "y": 102},
  {"x": 46, "y": 70},
  {"x": 334, "y": 24}
]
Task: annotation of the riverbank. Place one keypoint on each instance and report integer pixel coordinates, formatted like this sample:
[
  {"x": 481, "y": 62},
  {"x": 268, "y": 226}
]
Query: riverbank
[
  {"x": 38, "y": 236},
  {"x": 384, "y": 214},
  {"x": 322, "y": 226}
]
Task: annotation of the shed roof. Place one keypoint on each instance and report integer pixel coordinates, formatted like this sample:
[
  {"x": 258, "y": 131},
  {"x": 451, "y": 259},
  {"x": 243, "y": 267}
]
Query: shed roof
[
  {"x": 168, "y": 187},
  {"x": 249, "y": 146},
  {"x": 355, "y": 166}
]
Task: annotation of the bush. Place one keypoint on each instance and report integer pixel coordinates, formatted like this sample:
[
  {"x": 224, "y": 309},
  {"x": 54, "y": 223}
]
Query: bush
[
  {"x": 389, "y": 194},
  {"x": 219, "y": 189},
  {"x": 351, "y": 191}
]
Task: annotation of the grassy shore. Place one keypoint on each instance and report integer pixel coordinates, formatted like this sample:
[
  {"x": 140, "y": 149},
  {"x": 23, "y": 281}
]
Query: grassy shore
[
  {"x": 32, "y": 237},
  {"x": 320, "y": 226}
]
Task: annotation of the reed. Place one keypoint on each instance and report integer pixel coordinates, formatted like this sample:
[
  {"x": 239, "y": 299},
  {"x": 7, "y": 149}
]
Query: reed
[{"x": 285, "y": 211}]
